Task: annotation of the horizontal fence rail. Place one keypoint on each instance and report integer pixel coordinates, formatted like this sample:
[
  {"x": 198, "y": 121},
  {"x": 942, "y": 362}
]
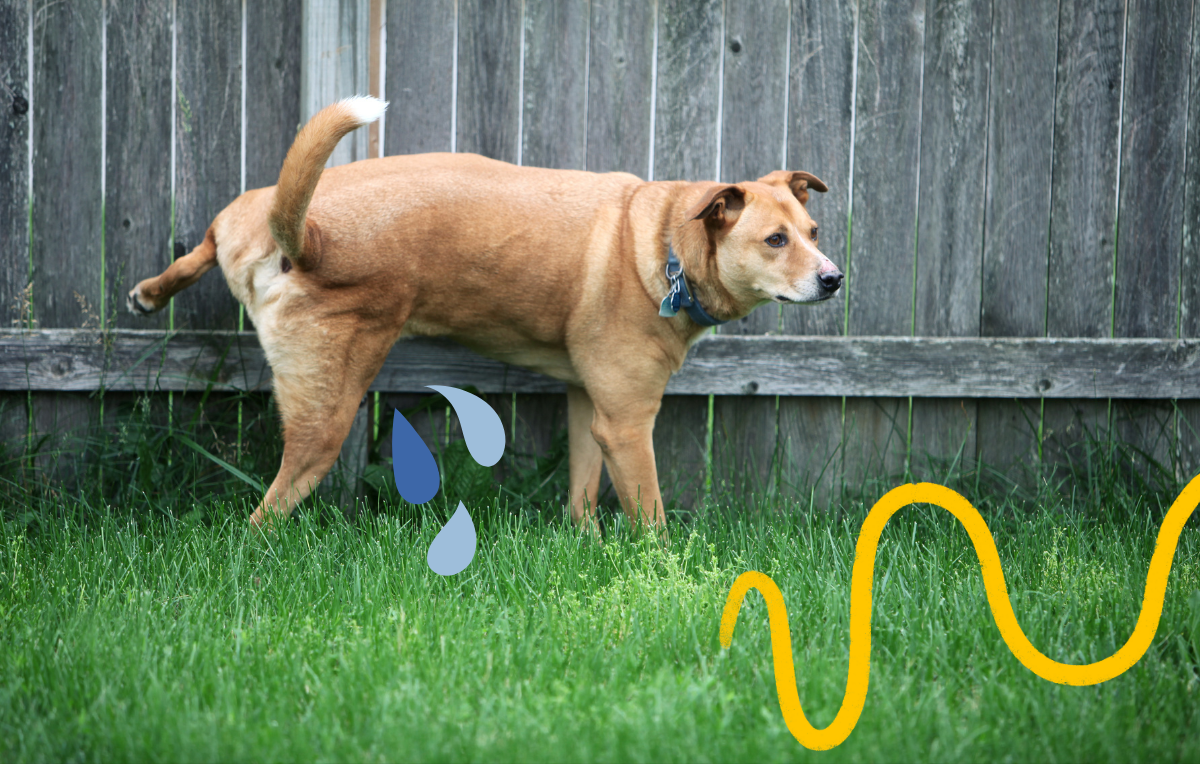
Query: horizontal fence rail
[{"x": 920, "y": 367}]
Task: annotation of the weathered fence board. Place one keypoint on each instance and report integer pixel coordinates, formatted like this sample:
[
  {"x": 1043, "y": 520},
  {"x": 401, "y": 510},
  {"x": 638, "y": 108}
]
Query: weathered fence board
[
  {"x": 1087, "y": 126},
  {"x": 419, "y": 85},
  {"x": 1154, "y": 123},
  {"x": 137, "y": 196},
  {"x": 334, "y": 60},
  {"x": 819, "y": 135},
  {"x": 208, "y": 139},
  {"x": 755, "y": 82},
  {"x": 553, "y": 133},
  {"x": 620, "y": 85},
  {"x": 489, "y": 77},
  {"x": 950, "y": 215},
  {"x": 66, "y": 252},
  {"x": 891, "y": 38},
  {"x": 923, "y": 367},
  {"x": 1017, "y": 210},
  {"x": 14, "y": 193},
  {"x": 272, "y": 87},
  {"x": 686, "y": 142},
  {"x": 1189, "y": 326}
]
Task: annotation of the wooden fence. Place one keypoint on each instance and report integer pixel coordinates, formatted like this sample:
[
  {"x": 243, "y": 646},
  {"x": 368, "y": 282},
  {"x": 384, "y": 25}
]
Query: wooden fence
[{"x": 1020, "y": 181}]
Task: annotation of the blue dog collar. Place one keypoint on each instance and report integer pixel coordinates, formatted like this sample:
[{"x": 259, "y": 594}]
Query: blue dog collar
[{"x": 680, "y": 295}]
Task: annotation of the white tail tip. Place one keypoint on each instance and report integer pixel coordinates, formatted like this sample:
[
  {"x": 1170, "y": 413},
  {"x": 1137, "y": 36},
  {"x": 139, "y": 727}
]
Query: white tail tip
[{"x": 366, "y": 109}]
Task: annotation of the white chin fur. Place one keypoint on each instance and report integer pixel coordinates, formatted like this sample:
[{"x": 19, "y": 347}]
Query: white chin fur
[{"x": 366, "y": 109}]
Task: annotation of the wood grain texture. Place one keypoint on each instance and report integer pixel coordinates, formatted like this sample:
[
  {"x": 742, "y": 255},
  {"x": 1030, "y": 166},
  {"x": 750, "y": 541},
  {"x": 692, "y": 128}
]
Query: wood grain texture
[
  {"x": 14, "y": 196},
  {"x": 1188, "y": 421},
  {"x": 419, "y": 88},
  {"x": 66, "y": 234},
  {"x": 1150, "y": 234},
  {"x": 67, "y": 204},
  {"x": 555, "y": 108},
  {"x": 208, "y": 117},
  {"x": 879, "y": 279},
  {"x": 621, "y": 59},
  {"x": 489, "y": 57},
  {"x": 820, "y": 108},
  {"x": 686, "y": 145},
  {"x": 420, "y": 77},
  {"x": 950, "y": 216},
  {"x": 686, "y": 129},
  {"x": 753, "y": 128},
  {"x": 272, "y": 87},
  {"x": 1087, "y": 124},
  {"x": 975, "y": 367},
  {"x": 1017, "y": 212},
  {"x": 137, "y": 199},
  {"x": 553, "y": 134},
  {"x": 334, "y": 56}
]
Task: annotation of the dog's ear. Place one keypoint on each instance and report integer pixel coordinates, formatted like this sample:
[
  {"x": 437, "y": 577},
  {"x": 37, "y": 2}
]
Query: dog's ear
[
  {"x": 798, "y": 182},
  {"x": 719, "y": 207}
]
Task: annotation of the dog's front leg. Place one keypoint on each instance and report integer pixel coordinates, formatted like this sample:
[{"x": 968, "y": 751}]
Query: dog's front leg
[
  {"x": 586, "y": 457},
  {"x": 623, "y": 426}
]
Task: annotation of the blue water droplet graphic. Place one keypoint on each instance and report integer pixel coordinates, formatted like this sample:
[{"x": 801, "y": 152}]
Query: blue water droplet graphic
[
  {"x": 480, "y": 424},
  {"x": 417, "y": 477},
  {"x": 454, "y": 547}
]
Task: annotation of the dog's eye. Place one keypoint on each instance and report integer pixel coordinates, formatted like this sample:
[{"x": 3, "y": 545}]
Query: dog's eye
[
  {"x": 814, "y": 233},
  {"x": 776, "y": 240}
]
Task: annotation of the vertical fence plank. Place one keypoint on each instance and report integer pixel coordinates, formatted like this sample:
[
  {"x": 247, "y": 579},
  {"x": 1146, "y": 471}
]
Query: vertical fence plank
[
  {"x": 419, "y": 82},
  {"x": 1147, "y": 279},
  {"x": 334, "y": 61},
  {"x": 620, "y": 94},
  {"x": 489, "y": 60},
  {"x": 950, "y": 218},
  {"x": 621, "y": 58},
  {"x": 488, "y": 100},
  {"x": 883, "y": 232},
  {"x": 1021, "y": 119},
  {"x": 819, "y": 134},
  {"x": 419, "y": 88},
  {"x": 137, "y": 195},
  {"x": 1189, "y": 411},
  {"x": 67, "y": 206},
  {"x": 686, "y": 135},
  {"x": 14, "y": 196},
  {"x": 208, "y": 121},
  {"x": 752, "y": 140},
  {"x": 273, "y": 73},
  {"x": 137, "y": 200},
  {"x": 1087, "y": 119},
  {"x": 553, "y": 134}
]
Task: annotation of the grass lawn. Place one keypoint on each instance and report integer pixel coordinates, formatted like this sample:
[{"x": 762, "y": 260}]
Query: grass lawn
[
  {"x": 142, "y": 620},
  {"x": 195, "y": 640}
]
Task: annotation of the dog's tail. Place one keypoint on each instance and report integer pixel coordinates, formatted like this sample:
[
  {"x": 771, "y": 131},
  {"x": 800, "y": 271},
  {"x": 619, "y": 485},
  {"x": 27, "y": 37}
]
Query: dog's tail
[{"x": 302, "y": 169}]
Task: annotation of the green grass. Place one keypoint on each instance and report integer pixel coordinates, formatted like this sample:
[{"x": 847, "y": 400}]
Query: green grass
[{"x": 145, "y": 621}]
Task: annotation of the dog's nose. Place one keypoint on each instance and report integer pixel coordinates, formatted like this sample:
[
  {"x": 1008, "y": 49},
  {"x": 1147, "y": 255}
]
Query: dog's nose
[{"x": 831, "y": 281}]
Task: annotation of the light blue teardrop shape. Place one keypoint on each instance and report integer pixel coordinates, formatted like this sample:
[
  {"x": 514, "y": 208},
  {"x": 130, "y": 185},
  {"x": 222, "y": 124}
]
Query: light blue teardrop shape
[
  {"x": 454, "y": 547},
  {"x": 416, "y": 473},
  {"x": 480, "y": 424}
]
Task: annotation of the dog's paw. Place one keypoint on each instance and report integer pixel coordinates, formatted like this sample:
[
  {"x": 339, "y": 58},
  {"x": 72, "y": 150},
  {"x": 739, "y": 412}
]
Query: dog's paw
[{"x": 134, "y": 304}]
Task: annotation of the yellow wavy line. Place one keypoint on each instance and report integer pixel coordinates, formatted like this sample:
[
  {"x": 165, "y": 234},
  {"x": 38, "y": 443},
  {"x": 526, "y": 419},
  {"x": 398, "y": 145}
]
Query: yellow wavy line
[{"x": 862, "y": 580}]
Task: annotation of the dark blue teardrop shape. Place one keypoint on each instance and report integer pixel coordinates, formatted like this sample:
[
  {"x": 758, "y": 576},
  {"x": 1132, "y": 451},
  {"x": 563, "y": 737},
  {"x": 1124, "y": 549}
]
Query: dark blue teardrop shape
[{"x": 416, "y": 472}]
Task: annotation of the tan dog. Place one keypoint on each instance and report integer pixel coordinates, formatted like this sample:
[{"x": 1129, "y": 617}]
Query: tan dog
[{"x": 559, "y": 271}]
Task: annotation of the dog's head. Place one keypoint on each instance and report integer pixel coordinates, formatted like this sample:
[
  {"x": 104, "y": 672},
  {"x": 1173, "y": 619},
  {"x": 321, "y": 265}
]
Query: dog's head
[{"x": 759, "y": 241}]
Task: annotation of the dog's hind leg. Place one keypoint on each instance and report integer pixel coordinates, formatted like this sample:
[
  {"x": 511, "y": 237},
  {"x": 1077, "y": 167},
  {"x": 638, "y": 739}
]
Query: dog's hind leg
[
  {"x": 318, "y": 396},
  {"x": 154, "y": 293},
  {"x": 586, "y": 457}
]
